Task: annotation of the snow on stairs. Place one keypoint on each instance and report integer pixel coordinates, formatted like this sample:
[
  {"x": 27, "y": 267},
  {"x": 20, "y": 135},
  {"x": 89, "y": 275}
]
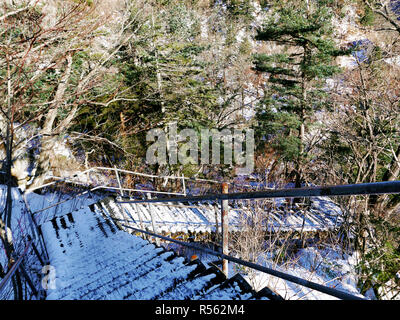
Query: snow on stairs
[
  {"x": 202, "y": 218},
  {"x": 94, "y": 260}
]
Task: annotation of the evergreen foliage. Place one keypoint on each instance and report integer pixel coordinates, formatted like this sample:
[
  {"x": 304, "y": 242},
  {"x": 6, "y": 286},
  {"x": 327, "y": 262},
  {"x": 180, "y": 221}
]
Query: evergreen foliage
[{"x": 296, "y": 75}]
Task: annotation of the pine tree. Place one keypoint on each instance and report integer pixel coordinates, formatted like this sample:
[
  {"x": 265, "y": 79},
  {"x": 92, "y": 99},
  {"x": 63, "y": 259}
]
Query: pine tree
[
  {"x": 297, "y": 73},
  {"x": 163, "y": 80}
]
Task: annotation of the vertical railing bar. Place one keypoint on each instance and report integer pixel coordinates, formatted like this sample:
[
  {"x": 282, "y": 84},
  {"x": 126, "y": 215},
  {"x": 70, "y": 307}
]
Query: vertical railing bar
[
  {"x": 153, "y": 224},
  {"x": 183, "y": 184},
  {"x": 139, "y": 212},
  {"x": 225, "y": 229},
  {"x": 217, "y": 228},
  {"x": 35, "y": 250},
  {"x": 128, "y": 214},
  {"x": 119, "y": 182}
]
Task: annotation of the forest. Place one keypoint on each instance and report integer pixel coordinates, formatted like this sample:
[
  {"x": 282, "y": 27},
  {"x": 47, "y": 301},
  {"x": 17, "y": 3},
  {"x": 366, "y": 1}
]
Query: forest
[{"x": 317, "y": 82}]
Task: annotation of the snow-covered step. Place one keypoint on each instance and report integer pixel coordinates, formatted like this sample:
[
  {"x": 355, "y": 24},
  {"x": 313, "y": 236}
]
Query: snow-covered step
[{"x": 187, "y": 290}]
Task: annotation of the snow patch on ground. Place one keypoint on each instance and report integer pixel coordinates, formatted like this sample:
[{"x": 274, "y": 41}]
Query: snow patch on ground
[{"x": 327, "y": 266}]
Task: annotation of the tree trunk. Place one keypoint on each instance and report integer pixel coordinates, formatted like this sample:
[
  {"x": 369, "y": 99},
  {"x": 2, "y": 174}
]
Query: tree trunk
[{"x": 382, "y": 205}]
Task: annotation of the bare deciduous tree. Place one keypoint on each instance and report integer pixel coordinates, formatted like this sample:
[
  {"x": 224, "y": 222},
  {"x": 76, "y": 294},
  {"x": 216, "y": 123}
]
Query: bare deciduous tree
[{"x": 56, "y": 61}]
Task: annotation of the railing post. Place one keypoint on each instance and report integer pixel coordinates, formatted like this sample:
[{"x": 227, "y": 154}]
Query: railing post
[
  {"x": 225, "y": 229},
  {"x": 153, "y": 223},
  {"x": 139, "y": 212},
  {"x": 119, "y": 182},
  {"x": 183, "y": 185}
]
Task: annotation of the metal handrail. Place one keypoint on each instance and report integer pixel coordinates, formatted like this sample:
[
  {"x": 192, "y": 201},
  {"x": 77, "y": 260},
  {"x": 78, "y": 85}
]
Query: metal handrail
[
  {"x": 14, "y": 267},
  {"x": 306, "y": 283},
  {"x": 183, "y": 178},
  {"x": 119, "y": 170},
  {"x": 340, "y": 190},
  {"x": 97, "y": 188}
]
